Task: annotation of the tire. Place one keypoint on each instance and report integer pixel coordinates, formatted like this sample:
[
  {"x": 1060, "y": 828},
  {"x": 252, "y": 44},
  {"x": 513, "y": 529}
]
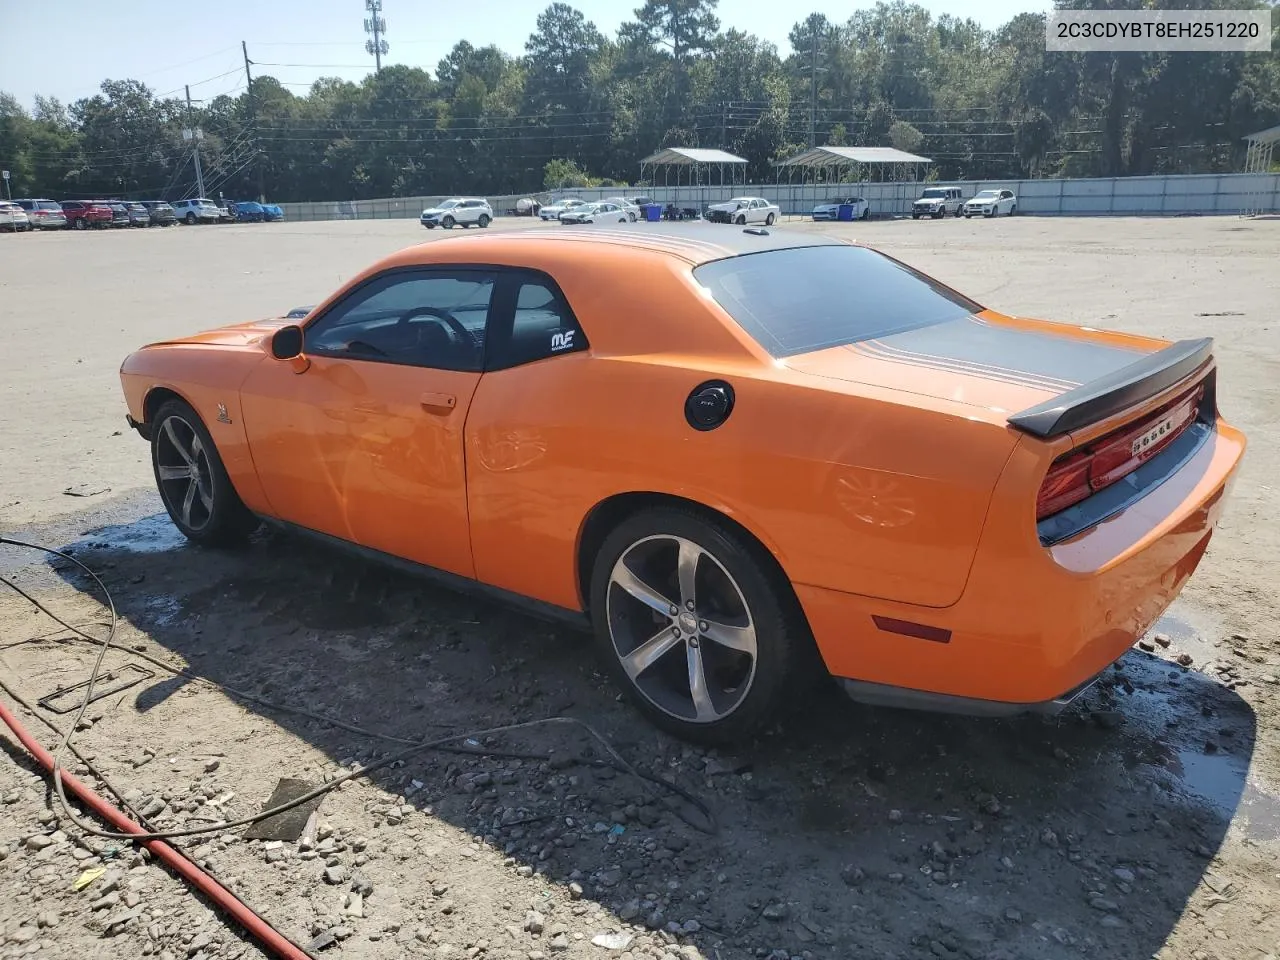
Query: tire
[
  {"x": 744, "y": 690},
  {"x": 741, "y": 221},
  {"x": 939, "y": 214},
  {"x": 1013, "y": 209},
  {"x": 78, "y": 223},
  {"x": 915, "y": 216},
  {"x": 966, "y": 216},
  {"x": 429, "y": 226},
  {"x": 768, "y": 221},
  {"x": 448, "y": 223},
  {"x": 206, "y": 510},
  {"x": 484, "y": 221},
  {"x": 191, "y": 219}
]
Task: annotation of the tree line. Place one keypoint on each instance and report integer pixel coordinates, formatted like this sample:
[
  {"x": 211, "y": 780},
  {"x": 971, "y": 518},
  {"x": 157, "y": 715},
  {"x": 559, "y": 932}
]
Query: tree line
[{"x": 580, "y": 107}]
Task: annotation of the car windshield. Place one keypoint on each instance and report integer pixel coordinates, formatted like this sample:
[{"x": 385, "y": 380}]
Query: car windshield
[
  {"x": 934, "y": 195},
  {"x": 986, "y": 195},
  {"x": 448, "y": 204},
  {"x": 46, "y": 205},
  {"x": 797, "y": 301}
]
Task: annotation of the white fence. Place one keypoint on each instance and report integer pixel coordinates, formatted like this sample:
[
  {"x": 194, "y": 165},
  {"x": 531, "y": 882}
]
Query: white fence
[{"x": 1193, "y": 194}]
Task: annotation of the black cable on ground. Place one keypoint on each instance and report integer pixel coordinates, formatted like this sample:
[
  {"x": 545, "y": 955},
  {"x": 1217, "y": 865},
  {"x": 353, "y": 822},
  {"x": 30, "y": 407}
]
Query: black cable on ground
[{"x": 445, "y": 744}]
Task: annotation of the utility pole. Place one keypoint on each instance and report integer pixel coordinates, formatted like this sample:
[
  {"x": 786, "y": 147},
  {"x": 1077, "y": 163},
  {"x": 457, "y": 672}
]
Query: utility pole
[
  {"x": 377, "y": 26},
  {"x": 813, "y": 96},
  {"x": 195, "y": 135},
  {"x": 253, "y": 121}
]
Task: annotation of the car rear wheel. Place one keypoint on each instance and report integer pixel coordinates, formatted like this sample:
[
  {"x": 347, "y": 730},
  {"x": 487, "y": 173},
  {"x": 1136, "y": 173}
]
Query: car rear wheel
[
  {"x": 483, "y": 221},
  {"x": 192, "y": 481},
  {"x": 1013, "y": 209},
  {"x": 78, "y": 223},
  {"x": 692, "y": 626},
  {"x": 448, "y": 223},
  {"x": 768, "y": 221}
]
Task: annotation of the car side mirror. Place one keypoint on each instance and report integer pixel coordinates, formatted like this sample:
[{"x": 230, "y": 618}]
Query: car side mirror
[{"x": 286, "y": 344}]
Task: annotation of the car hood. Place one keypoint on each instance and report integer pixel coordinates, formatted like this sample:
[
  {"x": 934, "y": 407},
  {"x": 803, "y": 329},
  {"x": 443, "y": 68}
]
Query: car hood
[
  {"x": 980, "y": 201},
  {"x": 726, "y": 207},
  {"x": 233, "y": 335},
  {"x": 435, "y": 211},
  {"x": 997, "y": 364},
  {"x": 930, "y": 201}
]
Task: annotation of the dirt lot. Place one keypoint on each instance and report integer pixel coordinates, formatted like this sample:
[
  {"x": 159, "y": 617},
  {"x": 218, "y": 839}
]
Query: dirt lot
[{"x": 1145, "y": 823}]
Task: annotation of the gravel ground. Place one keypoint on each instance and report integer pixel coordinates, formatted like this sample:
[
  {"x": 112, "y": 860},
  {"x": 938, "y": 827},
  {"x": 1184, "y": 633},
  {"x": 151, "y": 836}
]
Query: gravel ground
[{"x": 1144, "y": 823}]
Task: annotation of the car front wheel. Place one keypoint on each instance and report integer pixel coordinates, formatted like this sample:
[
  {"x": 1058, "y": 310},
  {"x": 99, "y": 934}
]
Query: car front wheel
[
  {"x": 484, "y": 220},
  {"x": 193, "y": 483},
  {"x": 692, "y": 626}
]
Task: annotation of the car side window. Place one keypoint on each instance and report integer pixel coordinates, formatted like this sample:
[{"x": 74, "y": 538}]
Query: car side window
[
  {"x": 421, "y": 318},
  {"x": 543, "y": 325}
]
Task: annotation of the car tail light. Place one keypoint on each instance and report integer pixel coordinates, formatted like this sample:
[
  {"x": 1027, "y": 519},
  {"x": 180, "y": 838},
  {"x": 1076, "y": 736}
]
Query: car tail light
[{"x": 1110, "y": 459}]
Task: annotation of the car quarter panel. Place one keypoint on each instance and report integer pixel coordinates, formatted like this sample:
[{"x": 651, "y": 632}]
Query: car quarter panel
[{"x": 207, "y": 377}]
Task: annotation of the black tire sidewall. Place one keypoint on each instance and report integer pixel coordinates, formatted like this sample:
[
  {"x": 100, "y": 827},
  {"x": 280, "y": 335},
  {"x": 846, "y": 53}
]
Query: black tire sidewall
[
  {"x": 776, "y": 631},
  {"x": 230, "y": 520}
]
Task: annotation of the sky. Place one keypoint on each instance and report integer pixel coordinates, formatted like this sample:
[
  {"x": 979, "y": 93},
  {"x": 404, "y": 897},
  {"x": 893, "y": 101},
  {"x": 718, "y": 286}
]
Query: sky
[{"x": 167, "y": 45}]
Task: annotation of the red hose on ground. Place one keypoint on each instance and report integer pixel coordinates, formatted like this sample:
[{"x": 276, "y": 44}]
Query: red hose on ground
[{"x": 275, "y": 943}]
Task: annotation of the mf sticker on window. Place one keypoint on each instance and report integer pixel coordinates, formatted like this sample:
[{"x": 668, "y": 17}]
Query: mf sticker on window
[{"x": 562, "y": 341}]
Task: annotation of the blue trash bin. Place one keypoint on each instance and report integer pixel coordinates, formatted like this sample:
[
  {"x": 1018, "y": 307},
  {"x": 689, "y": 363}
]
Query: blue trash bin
[
  {"x": 653, "y": 212},
  {"x": 846, "y": 212}
]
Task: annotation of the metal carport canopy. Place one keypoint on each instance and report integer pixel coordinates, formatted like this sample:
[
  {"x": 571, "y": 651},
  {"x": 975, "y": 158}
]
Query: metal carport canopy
[
  {"x": 688, "y": 156},
  {"x": 840, "y": 156}
]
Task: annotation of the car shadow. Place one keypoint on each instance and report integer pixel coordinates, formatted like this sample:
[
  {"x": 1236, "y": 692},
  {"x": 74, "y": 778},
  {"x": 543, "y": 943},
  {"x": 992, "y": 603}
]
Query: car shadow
[{"x": 844, "y": 830}]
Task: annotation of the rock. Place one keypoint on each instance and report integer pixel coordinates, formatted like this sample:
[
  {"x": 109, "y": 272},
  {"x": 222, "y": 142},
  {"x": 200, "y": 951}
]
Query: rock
[
  {"x": 559, "y": 943},
  {"x": 446, "y": 907},
  {"x": 335, "y": 875},
  {"x": 103, "y": 903},
  {"x": 1111, "y": 921},
  {"x": 1108, "y": 719},
  {"x": 775, "y": 911},
  {"x": 275, "y": 855},
  {"x": 212, "y": 765},
  {"x": 1048, "y": 837},
  {"x": 1162, "y": 639},
  {"x": 321, "y": 940},
  {"x": 38, "y": 842},
  {"x": 1104, "y": 904},
  {"x": 23, "y": 935},
  {"x": 1185, "y": 659},
  {"x": 852, "y": 876},
  {"x": 439, "y": 889},
  {"x": 1013, "y": 915},
  {"x": 110, "y": 881},
  {"x": 612, "y": 941},
  {"x": 524, "y": 870},
  {"x": 131, "y": 898},
  {"x": 1147, "y": 645},
  {"x": 361, "y": 885},
  {"x": 1123, "y": 875},
  {"x": 895, "y": 816},
  {"x": 47, "y": 919},
  {"x": 354, "y": 906},
  {"x": 534, "y": 922}
]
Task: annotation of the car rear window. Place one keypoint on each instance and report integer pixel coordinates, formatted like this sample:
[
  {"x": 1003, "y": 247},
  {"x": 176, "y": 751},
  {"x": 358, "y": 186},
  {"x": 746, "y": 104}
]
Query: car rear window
[{"x": 809, "y": 298}]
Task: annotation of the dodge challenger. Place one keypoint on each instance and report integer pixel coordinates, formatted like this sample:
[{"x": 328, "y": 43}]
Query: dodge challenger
[{"x": 727, "y": 453}]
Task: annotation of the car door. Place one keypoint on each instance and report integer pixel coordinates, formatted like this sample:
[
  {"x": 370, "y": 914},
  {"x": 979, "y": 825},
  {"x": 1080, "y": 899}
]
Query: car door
[
  {"x": 522, "y": 447},
  {"x": 366, "y": 443}
]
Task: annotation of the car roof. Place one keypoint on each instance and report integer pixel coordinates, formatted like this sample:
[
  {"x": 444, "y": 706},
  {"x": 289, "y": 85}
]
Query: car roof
[{"x": 694, "y": 243}]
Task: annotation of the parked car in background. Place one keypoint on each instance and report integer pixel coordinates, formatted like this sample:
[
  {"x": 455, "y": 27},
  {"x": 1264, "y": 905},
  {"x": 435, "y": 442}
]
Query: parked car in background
[
  {"x": 991, "y": 203},
  {"x": 272, "y": 212},
  {"x": 161, "y": 213},
  {"x": 830, "y": 209},
  {"x": 247, "y": 211},
  {"x": 639, "y": 202},
  {"x": 197, "y": 210},
  {"x": 602, "y": 212},
  {"x": 632, "y": 210},
  {"x": 553, "y": 210},
  {"x": 744, "y": 210},
  {"x": 13, "y": 219},
  {"x": 43, "y": 214},
  {"x": 139, "y": 215},
  {"x": 937, "y": 202},
  {"x": 119, "y": 213},
  {"x": 459, "y": 211},
  {"x": 82, "y": 214}
]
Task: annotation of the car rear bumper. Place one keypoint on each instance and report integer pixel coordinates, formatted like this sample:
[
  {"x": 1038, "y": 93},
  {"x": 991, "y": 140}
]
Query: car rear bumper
[{"x": 1035, "y": 625}]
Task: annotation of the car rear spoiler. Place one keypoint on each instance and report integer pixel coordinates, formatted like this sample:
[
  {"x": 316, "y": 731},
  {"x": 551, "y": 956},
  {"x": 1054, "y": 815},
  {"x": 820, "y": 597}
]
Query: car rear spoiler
[{"x": 1117, "y": 391}]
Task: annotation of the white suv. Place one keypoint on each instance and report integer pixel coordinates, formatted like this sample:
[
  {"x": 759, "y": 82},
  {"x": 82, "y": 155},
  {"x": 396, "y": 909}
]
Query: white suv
[
  {"x": 198, "y": 210},
  {"x": 462, "y": 211}
]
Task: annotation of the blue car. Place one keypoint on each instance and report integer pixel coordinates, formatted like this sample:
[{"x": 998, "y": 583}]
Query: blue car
[
  {"x": 272, "y": 212},
  {"x": 248, "y": 211}
]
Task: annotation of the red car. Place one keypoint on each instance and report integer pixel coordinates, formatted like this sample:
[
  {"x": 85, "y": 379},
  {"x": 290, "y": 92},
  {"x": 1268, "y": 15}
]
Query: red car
[{"x": 82, "y": 214}]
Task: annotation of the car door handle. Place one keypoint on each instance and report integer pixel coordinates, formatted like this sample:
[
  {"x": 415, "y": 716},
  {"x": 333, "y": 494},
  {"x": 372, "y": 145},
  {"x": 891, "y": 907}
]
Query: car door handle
[{"x": 438, "y": 402}]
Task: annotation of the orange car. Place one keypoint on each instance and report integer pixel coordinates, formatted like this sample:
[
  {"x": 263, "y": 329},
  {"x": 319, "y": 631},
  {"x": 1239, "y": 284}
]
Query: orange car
[{"x": 721, "y": 449}]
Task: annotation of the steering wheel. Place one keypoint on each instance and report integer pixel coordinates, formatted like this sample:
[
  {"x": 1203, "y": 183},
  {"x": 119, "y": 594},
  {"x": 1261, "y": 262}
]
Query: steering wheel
[{"x": 449, "y": 319}]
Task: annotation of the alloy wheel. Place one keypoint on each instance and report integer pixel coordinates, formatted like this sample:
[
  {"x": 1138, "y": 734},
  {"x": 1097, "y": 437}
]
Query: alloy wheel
[
  {"x": 183, "y": 472},
  {"x": 681, "y": 629}
]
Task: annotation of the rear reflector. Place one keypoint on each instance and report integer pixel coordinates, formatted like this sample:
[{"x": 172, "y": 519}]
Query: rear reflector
[
  {"x": 908, "y": 628},
  {"x": 1112, "y": 458}
]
